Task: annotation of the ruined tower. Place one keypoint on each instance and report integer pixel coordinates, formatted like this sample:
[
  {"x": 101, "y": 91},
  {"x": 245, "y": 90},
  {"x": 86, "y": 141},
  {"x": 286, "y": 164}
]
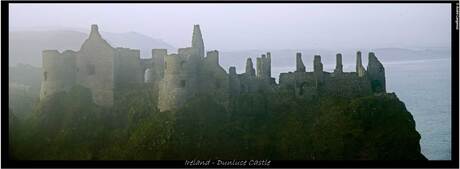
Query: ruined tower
[
  {"x": 300, "y": 67},
  {"x": 197, "y": 41},
  {"x": 181, "y": 77},
  {"x": 263, "y": 66},
  {"x": 95, "y": 69},
  {"x": 376, "y": 74},
  {"x": 318, "y": 69},
  {"x": 359, "y": 65},
  {"x": 173, "y": 87},
  {"x": 338, "y": 67},
  {"x": 59, "y": 72},
  {"x": 250, "y": 68}
]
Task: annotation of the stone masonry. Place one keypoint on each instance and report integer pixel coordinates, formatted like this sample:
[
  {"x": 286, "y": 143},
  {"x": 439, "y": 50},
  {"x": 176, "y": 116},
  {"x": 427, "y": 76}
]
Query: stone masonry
[{"x": 177, "y": 78}]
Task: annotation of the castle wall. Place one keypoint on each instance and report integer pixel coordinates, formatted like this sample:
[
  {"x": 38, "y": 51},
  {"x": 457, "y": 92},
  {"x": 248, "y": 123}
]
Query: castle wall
[
  {"x": 213, "y": 79},
  {"x": 318, "y": 82},
  {"x": 158, "y": 59},
  {"x": 347, "y": 85},
  {"x": 59, "y": 72},
  {"x": 127, "y": 68},
  {"x": 177, "y": 78},
  {"x": 95, "y": 62},
  {"x": 376, "y": 74},
  {"x": 301, "y": 84},
  {"x": 174, "y": 87},
  {"x": 234, "y": 82}
]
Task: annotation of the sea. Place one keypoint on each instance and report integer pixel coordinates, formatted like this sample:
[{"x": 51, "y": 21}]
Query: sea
[{"x": 425, "y": 86}]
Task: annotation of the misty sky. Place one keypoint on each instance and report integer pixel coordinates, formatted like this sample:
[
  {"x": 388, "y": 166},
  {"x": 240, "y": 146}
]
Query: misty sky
[{"x": 255, "y": 26}]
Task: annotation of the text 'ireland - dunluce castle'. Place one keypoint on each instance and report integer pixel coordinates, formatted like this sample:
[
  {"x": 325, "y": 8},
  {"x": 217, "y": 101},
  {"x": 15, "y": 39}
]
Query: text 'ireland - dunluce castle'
[{"x": 177, "y": 78}]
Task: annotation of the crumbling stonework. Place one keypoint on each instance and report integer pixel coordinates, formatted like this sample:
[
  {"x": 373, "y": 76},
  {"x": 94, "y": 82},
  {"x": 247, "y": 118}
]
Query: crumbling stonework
[
  {"x": 338, "y": 83},
  {"x": 300, "y": 67},
  {"x": 127, "y": 68},
  {"x": 338, "y": 67},
  {"x": 359, "y": 65},
  {"x": 376, "y": 74},
  {"x": 179, "y": 77},
  {"x": 98, "y": 66},
  {"x": 59, "y": 72}
]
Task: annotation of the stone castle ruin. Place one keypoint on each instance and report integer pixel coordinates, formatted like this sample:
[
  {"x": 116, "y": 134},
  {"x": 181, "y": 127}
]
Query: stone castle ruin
[{"x": 178, "y": 77}]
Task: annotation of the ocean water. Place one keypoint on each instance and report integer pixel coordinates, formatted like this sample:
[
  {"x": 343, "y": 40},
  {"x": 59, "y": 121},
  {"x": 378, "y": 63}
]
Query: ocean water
[{"x": 425, "y": 88}]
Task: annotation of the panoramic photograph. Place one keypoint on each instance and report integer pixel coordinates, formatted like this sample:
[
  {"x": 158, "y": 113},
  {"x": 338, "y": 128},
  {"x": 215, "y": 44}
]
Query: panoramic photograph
[{"x": 229, "y": 84}]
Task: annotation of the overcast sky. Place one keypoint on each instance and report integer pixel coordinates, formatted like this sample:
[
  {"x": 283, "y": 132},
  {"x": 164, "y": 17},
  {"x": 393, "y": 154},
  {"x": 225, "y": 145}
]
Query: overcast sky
[{"x": 255, "y": 26}]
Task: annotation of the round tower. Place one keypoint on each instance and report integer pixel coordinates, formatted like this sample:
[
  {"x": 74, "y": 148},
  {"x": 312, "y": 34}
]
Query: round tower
[
  {"x": 175, "y": 83},
  {"x": 59, "y": 72}
]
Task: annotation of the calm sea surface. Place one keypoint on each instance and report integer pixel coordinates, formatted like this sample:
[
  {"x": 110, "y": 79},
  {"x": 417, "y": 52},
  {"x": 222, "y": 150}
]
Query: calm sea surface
[{"x": 425, "y": 88}]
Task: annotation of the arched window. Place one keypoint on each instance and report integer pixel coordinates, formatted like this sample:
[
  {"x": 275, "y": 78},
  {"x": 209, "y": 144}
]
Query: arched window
[{"x": 147, "y": 75}]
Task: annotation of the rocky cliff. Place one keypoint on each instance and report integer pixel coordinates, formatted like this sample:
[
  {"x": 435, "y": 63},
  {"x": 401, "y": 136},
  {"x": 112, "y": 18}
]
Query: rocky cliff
[{"x": 273, "y": 126}]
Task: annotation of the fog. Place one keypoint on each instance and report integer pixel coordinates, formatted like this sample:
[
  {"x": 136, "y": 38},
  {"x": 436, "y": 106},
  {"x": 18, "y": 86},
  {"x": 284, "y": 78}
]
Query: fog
[{"x": 254, "y": 26}]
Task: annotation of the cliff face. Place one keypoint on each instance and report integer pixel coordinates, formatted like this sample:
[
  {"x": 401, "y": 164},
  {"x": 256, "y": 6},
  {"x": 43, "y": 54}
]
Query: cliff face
[{"x": 276, "y": 126}]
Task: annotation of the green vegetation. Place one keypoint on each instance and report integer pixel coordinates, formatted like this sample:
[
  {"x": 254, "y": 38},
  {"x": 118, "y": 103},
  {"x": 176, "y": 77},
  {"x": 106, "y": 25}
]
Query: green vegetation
[{"x": 274, "y": 126}]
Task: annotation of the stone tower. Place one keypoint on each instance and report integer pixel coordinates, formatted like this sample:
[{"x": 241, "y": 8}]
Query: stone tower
[
  {"x": 197, "y": 41},
  {"x": 269, "y": 64},
  {"x": 263, "y": 66},
  {"x": 300, "y": 67},
  {"x": 318, "y": 69},
  {"x": 180, "y": 79},
  {"x": 173, "y": 88},
  {"x": 59, "y": 72},
  {"x": 376, "y": 74},
  {"x": 338, "y": 67},
  {"x": 95, "y": 69},
  {"x": 158, "y": 60},
  {"x": 359, "y": 65},
  {"x": 250, "y": 68}
]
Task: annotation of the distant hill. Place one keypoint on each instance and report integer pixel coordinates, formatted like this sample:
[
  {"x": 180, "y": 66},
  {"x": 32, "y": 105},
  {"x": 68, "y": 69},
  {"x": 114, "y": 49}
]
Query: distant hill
[{"x": 26, "y": 46}]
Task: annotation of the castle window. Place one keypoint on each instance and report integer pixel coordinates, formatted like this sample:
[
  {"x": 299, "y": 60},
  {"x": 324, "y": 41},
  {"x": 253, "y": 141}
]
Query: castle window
[
  {"x": 45, "y": 75},
  {"x": 91, "y": 69},
  {"x": 166, "y": 66},
  {"x": 182, "y": 83}
]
